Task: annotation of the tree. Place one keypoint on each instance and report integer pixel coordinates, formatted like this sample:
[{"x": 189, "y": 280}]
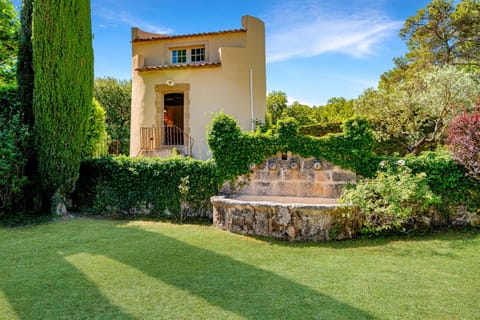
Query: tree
[
  {"x": 9, "y": 26},
  {"x": 63, "y": 91},
  {"x": 115, "y": 97},
  {"x": 336, "y": 110},
  {"x": 276, "y": 105},
  {"x": 416, "y": 112},
  {"x": 464, "y": 142},
  {"x": 303, "y": 114},
  {"x": 96, "y": 142},
  {"x": 443, "y": 33}
]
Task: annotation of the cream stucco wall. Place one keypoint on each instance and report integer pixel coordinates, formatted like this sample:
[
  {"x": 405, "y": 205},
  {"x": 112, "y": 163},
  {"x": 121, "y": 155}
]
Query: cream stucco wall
[{"x": 208, "y": 90}]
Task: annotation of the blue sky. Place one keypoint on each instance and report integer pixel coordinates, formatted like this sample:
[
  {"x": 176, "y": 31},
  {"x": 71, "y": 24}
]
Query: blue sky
[{"x": 316, "y": 49}]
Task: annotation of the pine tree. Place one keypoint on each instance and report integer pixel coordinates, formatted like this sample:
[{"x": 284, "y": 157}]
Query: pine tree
[{"x": 63, "y": 91}]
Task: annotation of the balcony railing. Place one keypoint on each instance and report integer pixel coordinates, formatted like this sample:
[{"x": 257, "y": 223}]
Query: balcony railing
[{"x": 165, "y": 137}]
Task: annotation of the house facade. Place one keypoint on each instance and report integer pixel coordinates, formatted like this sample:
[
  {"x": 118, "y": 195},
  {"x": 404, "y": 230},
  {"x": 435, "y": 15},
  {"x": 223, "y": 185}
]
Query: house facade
[{"x": 180, "y": 81}]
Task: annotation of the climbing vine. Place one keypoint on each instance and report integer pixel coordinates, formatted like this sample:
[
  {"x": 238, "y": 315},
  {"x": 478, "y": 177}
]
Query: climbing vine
[{"x": 234, "y": 150}]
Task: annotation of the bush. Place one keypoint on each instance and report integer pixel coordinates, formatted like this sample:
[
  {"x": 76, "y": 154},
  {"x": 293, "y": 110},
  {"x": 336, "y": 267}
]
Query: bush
[
  {"x": 145, "y": 186},
  {"x": 13, "y": 138},
  {"x": 464, "y": 142},
  {"x": 396, "y": 199},
  {"x": 446, "y": 179},
  {"x": 96, "y": 142}
]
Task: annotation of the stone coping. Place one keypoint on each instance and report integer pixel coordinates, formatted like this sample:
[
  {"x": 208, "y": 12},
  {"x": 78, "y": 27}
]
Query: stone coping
[{"x": 279, "y": 201}]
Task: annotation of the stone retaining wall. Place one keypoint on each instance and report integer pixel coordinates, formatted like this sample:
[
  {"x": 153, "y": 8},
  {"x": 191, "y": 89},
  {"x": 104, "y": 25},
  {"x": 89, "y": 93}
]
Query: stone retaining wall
[{"x": 286, "y": 221}]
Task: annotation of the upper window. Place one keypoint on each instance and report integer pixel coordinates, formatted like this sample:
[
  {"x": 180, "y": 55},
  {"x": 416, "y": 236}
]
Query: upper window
[
  {"x": 197, "y": 54},
  {"x": 179, "y": 56},
  {"x": 191, "y": 55}
]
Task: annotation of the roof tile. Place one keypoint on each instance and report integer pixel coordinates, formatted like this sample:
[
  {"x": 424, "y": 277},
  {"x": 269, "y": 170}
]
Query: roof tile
[
  {"x": 192, "y": 35},
  {"x": 179, "y": 66}
]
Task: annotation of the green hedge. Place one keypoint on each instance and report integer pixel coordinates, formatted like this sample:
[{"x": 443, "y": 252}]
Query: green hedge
[
  {"x": 321, "y": 129},
  {"x": 144, "y": 186}
]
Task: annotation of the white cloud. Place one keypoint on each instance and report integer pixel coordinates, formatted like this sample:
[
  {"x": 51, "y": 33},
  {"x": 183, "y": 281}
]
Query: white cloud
[
  {"x": 309, "y": 28},
  {"x": 112, "y": 18}
]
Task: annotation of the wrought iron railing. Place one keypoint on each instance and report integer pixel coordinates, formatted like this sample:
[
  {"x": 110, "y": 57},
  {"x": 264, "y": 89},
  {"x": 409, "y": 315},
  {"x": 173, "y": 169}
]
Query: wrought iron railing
[{"x": 165, "y": 137}]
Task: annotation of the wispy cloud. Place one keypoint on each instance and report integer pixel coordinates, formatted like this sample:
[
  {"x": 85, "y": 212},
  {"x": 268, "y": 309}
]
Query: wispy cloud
[
  {"x": 307, "y": 28},
  {"x": 112, "y": 18}
]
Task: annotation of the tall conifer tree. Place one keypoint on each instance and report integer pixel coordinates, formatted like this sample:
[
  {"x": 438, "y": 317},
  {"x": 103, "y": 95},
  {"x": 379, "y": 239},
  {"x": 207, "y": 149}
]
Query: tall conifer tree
[{"x": 63, "y": 89}]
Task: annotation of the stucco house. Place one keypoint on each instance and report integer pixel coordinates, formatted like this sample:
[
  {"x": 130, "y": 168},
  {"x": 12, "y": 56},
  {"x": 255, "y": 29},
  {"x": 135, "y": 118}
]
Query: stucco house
[{"x": 180, "y": 81}]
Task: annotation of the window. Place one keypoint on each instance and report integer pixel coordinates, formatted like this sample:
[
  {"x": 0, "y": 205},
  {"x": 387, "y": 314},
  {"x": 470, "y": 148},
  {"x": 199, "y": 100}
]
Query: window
[
  {"x": 198, "y": 54},
  {"x": 190, "y": 55},
  {"x": 179, "y": 56}
]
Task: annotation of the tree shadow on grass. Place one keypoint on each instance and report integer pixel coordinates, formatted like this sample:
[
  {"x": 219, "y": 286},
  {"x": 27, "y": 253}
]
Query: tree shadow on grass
[
  {"x": 243, "y": 289},
  {"x": 53, "y": 288}
]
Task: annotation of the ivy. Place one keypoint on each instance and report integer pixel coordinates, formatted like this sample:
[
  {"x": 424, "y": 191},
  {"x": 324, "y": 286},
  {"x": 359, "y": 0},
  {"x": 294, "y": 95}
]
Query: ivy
[
  {"x": 234, "y": 151},
  {"x": 145, "y": 186}
]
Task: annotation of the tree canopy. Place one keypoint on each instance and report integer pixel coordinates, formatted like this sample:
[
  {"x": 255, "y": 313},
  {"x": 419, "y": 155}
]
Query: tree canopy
[
  {"x": 115, "y": 97},
  {"x": 9, "y": 27},
  {"x": 416, "y": 112},
  {"x": 444, "y": 33}
]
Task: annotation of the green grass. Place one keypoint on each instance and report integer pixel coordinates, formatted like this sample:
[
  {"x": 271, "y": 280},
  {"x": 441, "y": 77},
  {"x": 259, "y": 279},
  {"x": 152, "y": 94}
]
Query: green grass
[{"x": 98, "y": 269}]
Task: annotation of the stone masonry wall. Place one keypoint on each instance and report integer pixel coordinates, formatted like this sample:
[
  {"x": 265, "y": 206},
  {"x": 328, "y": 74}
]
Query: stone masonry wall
[{"x": 290, "y": 175}]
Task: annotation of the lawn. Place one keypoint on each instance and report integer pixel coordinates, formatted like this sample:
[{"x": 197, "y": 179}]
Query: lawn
[{"x": 100, "y": 269}]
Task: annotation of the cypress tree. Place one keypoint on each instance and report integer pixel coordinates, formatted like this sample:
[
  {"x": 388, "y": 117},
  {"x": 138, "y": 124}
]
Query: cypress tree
[{"x": 63, "y": 91}]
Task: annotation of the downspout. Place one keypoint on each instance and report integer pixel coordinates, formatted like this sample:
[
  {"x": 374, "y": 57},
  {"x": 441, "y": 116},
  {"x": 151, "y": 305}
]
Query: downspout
[{"x": 252, "y": 118}]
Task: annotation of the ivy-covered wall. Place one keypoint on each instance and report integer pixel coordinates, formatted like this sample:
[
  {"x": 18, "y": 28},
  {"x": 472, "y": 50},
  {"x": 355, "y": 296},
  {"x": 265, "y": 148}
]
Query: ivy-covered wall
[
  {"x": 234, "y": 151},
  {"x": 145, "y": 186}
]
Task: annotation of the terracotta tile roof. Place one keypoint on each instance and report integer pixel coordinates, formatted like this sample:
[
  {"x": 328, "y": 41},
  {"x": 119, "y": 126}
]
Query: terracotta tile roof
[
  {"x": 192, "y": 35},
  {"x": 180, "y": 66}
]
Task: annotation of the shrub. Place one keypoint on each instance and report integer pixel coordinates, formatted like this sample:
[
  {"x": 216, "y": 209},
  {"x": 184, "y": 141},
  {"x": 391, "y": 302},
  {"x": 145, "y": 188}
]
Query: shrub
[
  {"x": 96, "y": 142},
  {"x": 464, "y": 142},
  {"x": 145, "y": 186},
  {"x": 446, "y": 178},
  {"x": 396, "y": 199}
]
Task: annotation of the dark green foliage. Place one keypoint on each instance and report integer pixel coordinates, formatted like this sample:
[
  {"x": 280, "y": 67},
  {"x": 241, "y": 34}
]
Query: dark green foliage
[
  {"x": 13, "y": 136},
  {"x": 25, "y": 62},
  {"x": 63, "y": 88},
  {"x": 446, "y": 178},
  {"x": 8, "y": 101},
  {"x": 135, "y": 186},
  {"x": 234, "y": 150}
]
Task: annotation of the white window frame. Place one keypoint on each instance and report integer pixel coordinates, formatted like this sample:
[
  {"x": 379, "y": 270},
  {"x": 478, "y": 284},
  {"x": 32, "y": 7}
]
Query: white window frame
[{"x": 188, "y": 47}]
